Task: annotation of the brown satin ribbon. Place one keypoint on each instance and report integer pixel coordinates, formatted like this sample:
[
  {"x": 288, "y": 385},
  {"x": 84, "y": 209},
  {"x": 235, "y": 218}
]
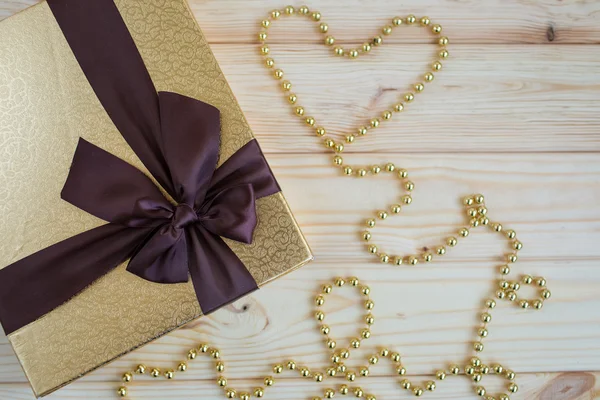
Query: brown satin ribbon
[{"x": 177, "y": 139}]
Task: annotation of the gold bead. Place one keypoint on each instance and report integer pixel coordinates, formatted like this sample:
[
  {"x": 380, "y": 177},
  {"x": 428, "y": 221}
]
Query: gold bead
[
  {"x": 348, "y": 170},
  {"x": 482, "y": 210},
  {"x": 484, "y": 369},
  {"x": 443, "y": 41},
  {"x": 409, "y": 186},
  {"x": 441, "y": 375},
  {"x": 541, "y": 282},
  {"x": 331, "y": 344},
  {"x": 418, "y": 391},
  {"x": 321, "y": 131},
  {"x": 365, "y": 333},
  {"x": 513, "y": 388},
  {"x": 259, "y": 392},
  {"x": 398, "y": 260},
  {"x": 339, "y": 147},
  {"x": 387, "y": 115},
  {"x": 127, "y": 377},
  {"x": 265, "y": 23},
  {"x": 350, "y": 138},
  {"x": 365, "y": 290},
  {"x": 405, "y": 384},
  {"x": 474, "y": 222},
  {"x": 486, "y": 317},
  {"x": 364, "y": 371},
  {"x": 155, "y": 372},
  {"x": 292, "y": 99},
  {"x": 517, "y": 245},
  {"x": 441, "y": 250},
  {"x": 478, "y": 347},
  {"x": 230, "y": 393},
  {"x": 299, "y": 111},
  {"x": 222, "y": 381},
  {"x": 467, "y": 201},
  {"x": 262, "y": 36},
  {"x": 358, "y": 392},
  {"x": 367, "y": 236},
  {"x": 140, "y": 369},
  {"x": 192, "y": 354},
  {"x": 291, "y": 365},
  {"x": 369, "y": 304},
  {"x": 169, "y": 374},
  {"x": 483, "y": 332},
  {"x": 472, "y": 212},
  {"x": 337, "y": 160},
  {"x": 370, "y": 319},
  {"x": 344, "y": 353},
  {"x": 395, "y": 357},
  {"x": 444, "y": 54},
  {"x": 406, "y": 199},
  {"x": 451, "y": 241},
  {"x": 515, "y": 286},
  {"x": 220, "y": 366},
  {"x": 430, "y": 385},
  {"x": 354, "y": 281},
  {"x": 437, "y": 65},
  {"x": 353, "y": 53},
  {"x": 397, "y": 21},
  {"x": 335, "y": 358},
  {"x": 512, "y": 258},
  {"x": 341, "y": 369},
  {"x": 411, "y": 19},
  {"x": 340, "y": 282},
  {"x": 329, "y": 40},
  {"x": 316, "y": 16},
  {"x": 497, "y": 227},
  {"x": 375, "y": 122},
  {"x": 289, "y": 10},
  {"x": 309, "y": 121},
  {"x": 355, "y": 343},
  {"x": 511, "y": 296},
  {"x": 475, "y": 361},
  {"x": 351, "y": 376},
  {"x": 454, "y": 369},
  {"x": 500, "y": 294},
  {"x": 503, "y": 284},
  {"x": 510, "y": 375},
  {"x": 318, "y": 377},
  {"x": 429, "y": 77},
  {"x": 244, "y": 396},
  {"x": 286, "y": 85},
  {"x": 412, "y": 260},
  {"x": 215, "y": 353},
  {"x": 469, "y": 370},
  {"x": 384, "y": 352},
  {"x": 329, "y": 143},
  {"x": 264, "y": 50},
  {"x": 278, "y": 368},
  {"x": 304, "y": 10},
  {"x": 498, "y": 368},
  {"x": 387, "y": 30},
  {"x": 382, "y": 214},
  {"x": 505, "y": 270},
  {"x": 546, "y": 294},
  {"x": 338, "y": 51},
  {"x": 464, "y": 232},
  {"x": 325, "y": 329},
  {"x": 480, "y": 390},
  {"x": 373, "y": 360},
  {"x": 510, "y": 234},
  {"x": 278, "y": 73},
  {"x": 524, "y": 304},
  {"x": 362, "y": 130},
  {"x": 408, "y": 97},
  {"x": 538, "y": 304},
  {"x": 320, "y": 315},
  {"x": 319, "y": 300},
  {"x": 366, "y": 47},
  {"x": 275, "y": 14},
  {"x": 401, "y": 370},
  {"x": 425, "y": 21},
  {"x": 396, "y": 208},
  {"x": 490, "y": 303},
  {"x": 399, "y": 107},
  {"x": 370, "y": 223},
  {"x": 331, "y": 371},
  {"x": 437, "y": 29},
  {"x": 122, "y": 391},
  {"x": 377, "y": 40},
  {"x": 344, "y": 389}
]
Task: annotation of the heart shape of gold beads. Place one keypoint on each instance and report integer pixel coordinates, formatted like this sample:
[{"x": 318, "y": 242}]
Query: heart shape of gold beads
[{"x": 338, "y": 370}]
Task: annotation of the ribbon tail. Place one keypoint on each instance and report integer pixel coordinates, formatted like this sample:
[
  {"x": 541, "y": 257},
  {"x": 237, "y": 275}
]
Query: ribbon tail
[
  {"x": 37, "y": 284},
  {"x": 219, "y": 276}
]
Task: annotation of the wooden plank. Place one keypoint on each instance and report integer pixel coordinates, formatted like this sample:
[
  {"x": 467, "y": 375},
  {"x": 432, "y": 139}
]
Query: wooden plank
[
  {"x": 469, "y": 21},
  {"x": 483, "y": 100},
  {"x": 565, "y": 386}
]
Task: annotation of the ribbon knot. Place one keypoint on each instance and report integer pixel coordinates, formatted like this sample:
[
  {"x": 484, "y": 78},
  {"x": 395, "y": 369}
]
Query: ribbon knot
[{"x": 183, "y": 216}]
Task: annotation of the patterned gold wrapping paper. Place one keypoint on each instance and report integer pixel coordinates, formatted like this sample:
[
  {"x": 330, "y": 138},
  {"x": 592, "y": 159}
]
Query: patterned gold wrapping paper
[{"x": 46, "y": 104}]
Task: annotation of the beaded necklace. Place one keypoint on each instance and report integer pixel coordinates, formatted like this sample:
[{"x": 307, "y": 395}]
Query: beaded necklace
[{"x": 477, "y": 216}]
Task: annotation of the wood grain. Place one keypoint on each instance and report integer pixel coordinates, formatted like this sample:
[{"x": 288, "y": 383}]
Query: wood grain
[
  {"x": 466, "y": 21},
  {"x": 513, "y": 115}
]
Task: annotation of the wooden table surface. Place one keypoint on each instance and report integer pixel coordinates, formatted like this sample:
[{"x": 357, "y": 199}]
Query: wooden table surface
[{"x": 514, "y": 115}]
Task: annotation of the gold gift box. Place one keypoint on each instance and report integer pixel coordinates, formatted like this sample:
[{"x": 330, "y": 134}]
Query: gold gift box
[{"x": 46, "y": 105}]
